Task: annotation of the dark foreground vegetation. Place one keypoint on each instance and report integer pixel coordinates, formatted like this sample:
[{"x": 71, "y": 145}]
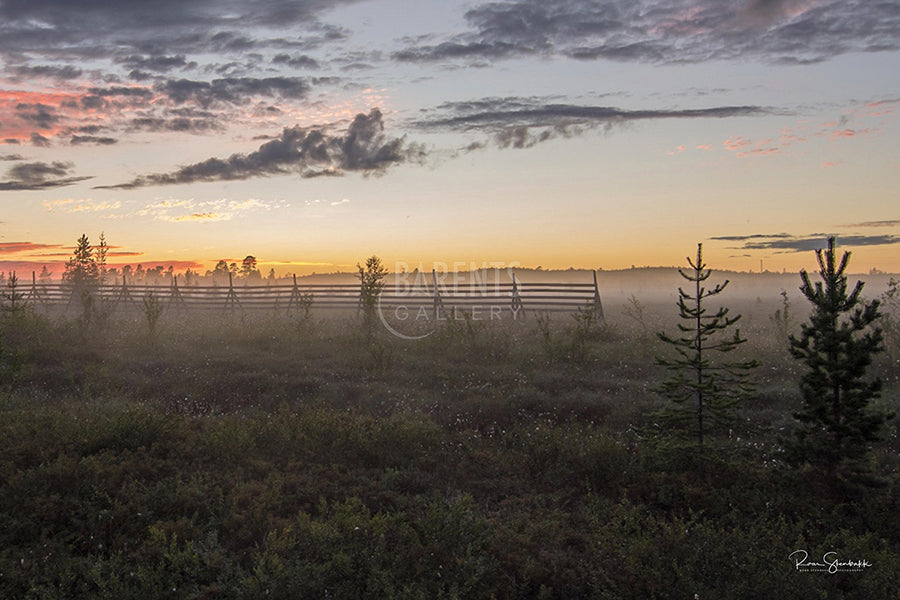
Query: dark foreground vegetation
[{"x": 247, "y": 456}]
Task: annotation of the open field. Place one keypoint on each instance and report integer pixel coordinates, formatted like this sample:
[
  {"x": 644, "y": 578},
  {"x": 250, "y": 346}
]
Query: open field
[{"x": 233, "y": 454}]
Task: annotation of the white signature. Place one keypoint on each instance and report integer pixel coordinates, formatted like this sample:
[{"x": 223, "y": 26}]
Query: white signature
[{"x": 830, "y": 562}]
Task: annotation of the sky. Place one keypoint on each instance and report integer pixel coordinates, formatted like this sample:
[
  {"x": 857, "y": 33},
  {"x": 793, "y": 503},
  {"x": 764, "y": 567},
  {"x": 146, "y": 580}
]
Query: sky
[{"x": 312, "y": 134}]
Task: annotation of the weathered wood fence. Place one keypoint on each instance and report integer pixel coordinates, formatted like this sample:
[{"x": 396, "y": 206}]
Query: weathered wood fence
[{"x": 436, "y": 296}]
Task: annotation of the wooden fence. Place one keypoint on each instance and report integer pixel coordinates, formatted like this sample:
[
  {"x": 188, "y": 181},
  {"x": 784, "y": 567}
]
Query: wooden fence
[{"x": 516, "y": 296}]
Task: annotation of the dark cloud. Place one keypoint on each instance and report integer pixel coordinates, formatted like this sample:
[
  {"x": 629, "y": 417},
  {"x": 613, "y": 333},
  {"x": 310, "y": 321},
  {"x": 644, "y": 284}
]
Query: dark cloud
[
  {"x": 788, "y": 243},
  {"x": 669, "y": 31},
  {"x": 480, "y": 50},
  {"x": 51, "y": 71},
  {"x": 159, "y": 64},
  {"x": 92, "y": 139},
  {"x": 92, "y": 28},
  {"x": 123, "y": 91},
  {"x": 38, "y": 115},
  {"x": 524, "y": 122},
  {"x": 755, "y": 236},
  {"x": 137, "y": 75},
  {"x": 310, "y": 152},
  {"x": 296, "y": 62},
  {"x": 11, "y": 157},
  {"x": 234, "y": 90},
  {"x": 39, "y": 176},
  {"x": 887, "y": 223},
  {"x": 88, "y": 129},
  {"x": 39, "y": 140},
  {"x": 176, "y": 124},
  {"x": 93, "y": 102}
]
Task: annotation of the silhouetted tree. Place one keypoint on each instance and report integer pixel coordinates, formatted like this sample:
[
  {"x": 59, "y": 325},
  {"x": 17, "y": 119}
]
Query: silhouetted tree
[
  {"x": 220, "y": 272},
  {"x": 837, "y": 429},
  {"x": 101, "y": 252},
  {"x": 702, "y": 392},
  {"x": 371, "y": 283},
  {"x": 248, "y": 268},
  {"x": 82, "y": 268},
  {"x": 83, "y": 272},
  {"x": 13, "y": 299}
]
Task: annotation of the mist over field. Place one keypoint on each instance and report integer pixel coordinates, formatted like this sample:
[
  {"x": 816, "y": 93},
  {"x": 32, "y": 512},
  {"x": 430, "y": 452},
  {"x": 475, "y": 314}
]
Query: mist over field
[{"x": 232, "y": 450}]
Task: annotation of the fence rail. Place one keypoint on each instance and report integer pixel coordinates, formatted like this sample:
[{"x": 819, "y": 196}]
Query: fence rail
[{"x": 436, "y": 296}]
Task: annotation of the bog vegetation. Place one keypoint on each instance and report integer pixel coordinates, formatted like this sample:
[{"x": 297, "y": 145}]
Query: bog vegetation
[{"x": 233, "y": 455}]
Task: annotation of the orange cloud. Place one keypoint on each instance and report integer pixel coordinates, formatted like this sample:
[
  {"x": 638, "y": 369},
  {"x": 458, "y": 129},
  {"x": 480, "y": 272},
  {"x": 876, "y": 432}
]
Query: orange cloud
[{"x": 16, "y": 247}]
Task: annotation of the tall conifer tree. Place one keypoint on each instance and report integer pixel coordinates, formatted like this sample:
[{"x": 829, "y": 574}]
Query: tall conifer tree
[
  {"x": 837, "y": 428},
  {"x": 703, "y": 392}
]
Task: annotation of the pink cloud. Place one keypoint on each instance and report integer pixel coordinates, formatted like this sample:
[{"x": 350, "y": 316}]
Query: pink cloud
[
  {"x": 848, "y": 133},
  {"x": 736, "y": 143},
  {"x": 789, "y": 136},
  {"x": 882, "y": 108},
  {"x": 744, "y": 148},
  {"x": 759, "y": 152}
]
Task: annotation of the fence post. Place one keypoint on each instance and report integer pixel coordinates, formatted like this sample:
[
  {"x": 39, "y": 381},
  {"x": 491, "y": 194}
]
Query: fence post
[
  {"x": 231, "y": 298},
  {"x": 33, "y": 293},
  {"x": 598, "y": 306},
  {"x": 123, "y": 293},
  {"x": 296, "y": 297},
  {"x": 175, "y": 296},
  {"x": 516, "y": 299},
  {"x": 438, "y": 303}
]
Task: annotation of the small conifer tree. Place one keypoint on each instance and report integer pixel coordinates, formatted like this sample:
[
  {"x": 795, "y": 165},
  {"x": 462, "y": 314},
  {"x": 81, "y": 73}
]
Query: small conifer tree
[
  {"x": 82, "y": 269},
  {"x": 83, "y": 272},
  {"x": 100, "y": 252},
  {"x": 704, "y": 393},
  {"x": 837, "y": 428},
  {"x": 371, "y": 283}
]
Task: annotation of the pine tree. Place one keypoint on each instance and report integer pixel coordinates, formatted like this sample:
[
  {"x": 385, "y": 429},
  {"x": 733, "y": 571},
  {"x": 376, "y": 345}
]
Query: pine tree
[
  {"x": 82, "y": 269},
  {"x": 371, "y": 283},
  {"x": 704, "y": 393},
  {"x": 101, "y": 251},
  {"x": 837, "y": 344},
  {"x": 248, "y": 268}
]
